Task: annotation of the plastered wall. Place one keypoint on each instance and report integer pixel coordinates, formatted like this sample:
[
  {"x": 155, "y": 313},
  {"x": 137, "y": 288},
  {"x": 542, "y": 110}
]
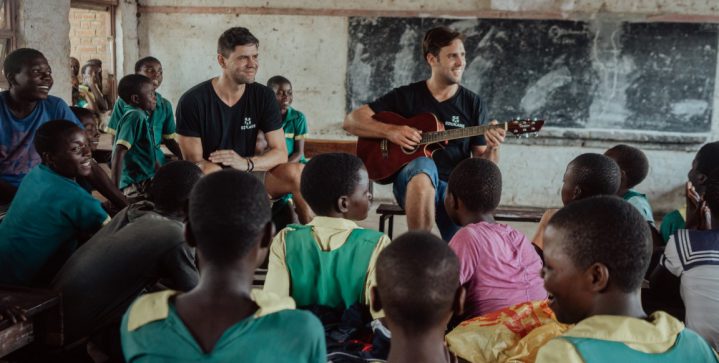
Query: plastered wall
[
  {"x": 46, "y": 28},
  {"x": 311, "y": 50}
]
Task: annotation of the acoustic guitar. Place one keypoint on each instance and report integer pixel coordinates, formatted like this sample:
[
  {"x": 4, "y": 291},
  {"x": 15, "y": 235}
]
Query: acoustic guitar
[{"x": 383, "y": 159}]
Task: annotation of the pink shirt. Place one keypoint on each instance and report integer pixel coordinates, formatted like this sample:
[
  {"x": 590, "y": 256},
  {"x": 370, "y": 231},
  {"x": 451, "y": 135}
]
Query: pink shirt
[{"x": 498, "y": 266}]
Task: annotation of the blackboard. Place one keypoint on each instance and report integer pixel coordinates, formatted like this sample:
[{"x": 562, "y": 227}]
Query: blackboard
[{"x": 599, "y": 74}]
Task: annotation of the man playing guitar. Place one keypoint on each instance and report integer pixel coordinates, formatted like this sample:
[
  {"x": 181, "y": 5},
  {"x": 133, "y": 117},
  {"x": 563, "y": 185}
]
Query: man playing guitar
[{"x": 423, "y": 182}]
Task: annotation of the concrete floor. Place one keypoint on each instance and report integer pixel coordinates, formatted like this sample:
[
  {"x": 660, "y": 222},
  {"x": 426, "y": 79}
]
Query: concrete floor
[{"x": 400, "y": 222}]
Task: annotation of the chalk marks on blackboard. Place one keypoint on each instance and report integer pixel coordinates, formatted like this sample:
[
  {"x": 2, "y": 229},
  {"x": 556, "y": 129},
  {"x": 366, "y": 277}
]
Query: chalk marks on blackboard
[{"x": 579, "y": 74}]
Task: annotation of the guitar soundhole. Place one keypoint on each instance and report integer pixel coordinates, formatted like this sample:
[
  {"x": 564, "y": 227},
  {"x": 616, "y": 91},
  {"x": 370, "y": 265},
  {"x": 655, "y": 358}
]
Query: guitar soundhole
[{"x": 409, "y": 151}]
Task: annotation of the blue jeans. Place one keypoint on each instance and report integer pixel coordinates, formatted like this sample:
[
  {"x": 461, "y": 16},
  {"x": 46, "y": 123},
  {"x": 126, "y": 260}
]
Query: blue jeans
[{"x": 427, "y": 166}]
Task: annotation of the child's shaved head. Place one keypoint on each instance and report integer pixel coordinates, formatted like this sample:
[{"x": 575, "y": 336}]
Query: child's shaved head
[
  {"x": 589, "y": 175},
  {"x": 417, "y": 280},
  {"x": 631, "y": 161}
]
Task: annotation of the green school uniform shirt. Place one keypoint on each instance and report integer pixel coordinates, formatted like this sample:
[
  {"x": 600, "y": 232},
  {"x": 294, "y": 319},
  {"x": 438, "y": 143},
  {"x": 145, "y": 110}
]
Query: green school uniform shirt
[
  {"x": 134, "y": 132},
  {"x": 40, "y": 229},
  {"x": 613, "y": 338},
  {"x": 152, "y": 331},
  {"x": 640, "y": 201},
  {"x": 295, "y": 128},
  {"x": 162, "y": 120}
]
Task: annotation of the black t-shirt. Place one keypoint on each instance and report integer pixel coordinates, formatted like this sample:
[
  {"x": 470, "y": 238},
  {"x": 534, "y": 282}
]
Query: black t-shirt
[
  {"x": 463, "y": 109},
  {"x": 201, "y": 113}
]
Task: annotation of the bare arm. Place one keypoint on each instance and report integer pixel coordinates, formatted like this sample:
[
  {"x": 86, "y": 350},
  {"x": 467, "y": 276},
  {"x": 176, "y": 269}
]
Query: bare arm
[
  {"x": 99, "y": 179},
  {"x": 191, "y": 150},
  {"x": 360, "y": 123},
  {"x": 117, "y": 157},
  {"x": 490, "y": 151},
  {"x": 299, "y": 151},
  {"x": 276, "y": 153},
  {"x": 173, "y": 147}
]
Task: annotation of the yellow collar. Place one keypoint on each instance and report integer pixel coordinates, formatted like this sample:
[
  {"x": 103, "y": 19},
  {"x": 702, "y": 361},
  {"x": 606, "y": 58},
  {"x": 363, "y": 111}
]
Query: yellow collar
[
  {"x": 657, "y": 334},
  {"x": 333, "y": 223},
  {"x": 152, "y": 307}
]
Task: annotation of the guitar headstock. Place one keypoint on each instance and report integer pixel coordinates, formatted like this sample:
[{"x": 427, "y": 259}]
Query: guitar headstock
[{"x": 525, "y": 127}]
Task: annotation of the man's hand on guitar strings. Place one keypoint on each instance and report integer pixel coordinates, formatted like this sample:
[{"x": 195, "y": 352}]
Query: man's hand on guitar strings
[
  {"x": 495, "y": 136},
  {"x": 404, "y": 136}
]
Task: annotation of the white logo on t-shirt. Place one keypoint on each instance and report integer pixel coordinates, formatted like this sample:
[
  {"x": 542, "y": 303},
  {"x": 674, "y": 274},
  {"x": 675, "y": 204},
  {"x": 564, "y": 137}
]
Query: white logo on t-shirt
[
  {"x": 248, "y": 124},
  {"x": 455, "y": 122}
]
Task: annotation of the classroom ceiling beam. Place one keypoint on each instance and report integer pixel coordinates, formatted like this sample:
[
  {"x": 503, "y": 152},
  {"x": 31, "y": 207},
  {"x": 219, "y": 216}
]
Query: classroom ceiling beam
[{"x": 477, "y": 14}]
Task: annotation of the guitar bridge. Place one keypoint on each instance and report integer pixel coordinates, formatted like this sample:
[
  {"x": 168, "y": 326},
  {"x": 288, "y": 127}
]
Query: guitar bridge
[{"x": 384, "y": 147}]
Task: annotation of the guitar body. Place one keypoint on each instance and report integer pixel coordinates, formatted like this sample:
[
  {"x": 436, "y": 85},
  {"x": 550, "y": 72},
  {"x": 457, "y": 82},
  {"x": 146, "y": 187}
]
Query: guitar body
[{"x": 384, "y": 159}]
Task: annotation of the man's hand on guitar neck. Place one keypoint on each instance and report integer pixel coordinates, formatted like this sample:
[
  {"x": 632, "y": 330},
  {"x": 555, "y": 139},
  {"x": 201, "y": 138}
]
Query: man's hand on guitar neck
[
  {"x": 404, "y": 136},
  {"x": 495, "y": 136}
]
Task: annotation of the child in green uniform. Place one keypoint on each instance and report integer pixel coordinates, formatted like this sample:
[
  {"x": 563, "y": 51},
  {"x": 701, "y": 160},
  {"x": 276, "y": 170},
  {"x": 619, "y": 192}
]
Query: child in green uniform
[
  {"x": 635, "y": 167},
  {"x": 50, "y": 212},
  {"x": 418, "y": 289},
  {"x": 161, "y": 119},
  {"x": 596, "y": 253},
  {"x": 134, "y": 160},
  {"x": 294, "y": 123},
  {"x": 329, "y": 262},
  {"x": 223, "y": 319}
]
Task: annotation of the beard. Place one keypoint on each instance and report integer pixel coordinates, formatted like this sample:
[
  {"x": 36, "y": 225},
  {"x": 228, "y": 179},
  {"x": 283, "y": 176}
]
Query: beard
[{"x": 242, "y": 78}]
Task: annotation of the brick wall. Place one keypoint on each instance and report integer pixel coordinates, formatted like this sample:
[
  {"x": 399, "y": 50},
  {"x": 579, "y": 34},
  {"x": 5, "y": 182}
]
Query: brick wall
[{"x": 90, "y": 36}]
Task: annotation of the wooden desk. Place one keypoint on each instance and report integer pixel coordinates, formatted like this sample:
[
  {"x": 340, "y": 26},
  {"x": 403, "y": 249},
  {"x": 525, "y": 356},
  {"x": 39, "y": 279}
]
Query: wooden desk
[{"x": 44, "y": 324}]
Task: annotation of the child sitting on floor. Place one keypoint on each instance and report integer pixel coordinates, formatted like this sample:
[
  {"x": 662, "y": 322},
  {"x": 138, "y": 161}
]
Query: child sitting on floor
[
  {"x": 50, "y": 212},
  {"x": 418, "y": 289},
  {"x": 586, "y": 176},
  {"x": 498, "y": 264},
  {"x": 134, "y": 159},
  {"x": 634, "y": 167},
  {"x": 329, "y": 262},
  {"x": 223, "y": 319},
  {"x": 596, "y": 254}
]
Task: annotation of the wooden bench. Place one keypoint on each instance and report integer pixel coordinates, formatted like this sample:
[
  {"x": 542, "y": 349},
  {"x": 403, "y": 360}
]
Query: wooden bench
[
  {"x": 315, "y": 147},
  {"x": 44, "y": 324},
  {"x": 507, "y": 214}
]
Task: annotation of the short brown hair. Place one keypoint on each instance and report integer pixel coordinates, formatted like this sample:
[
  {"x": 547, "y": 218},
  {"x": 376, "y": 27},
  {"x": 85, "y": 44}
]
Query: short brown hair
[
  {"x": 233, "y": 37},
  {"x": 437, "y": 38}
]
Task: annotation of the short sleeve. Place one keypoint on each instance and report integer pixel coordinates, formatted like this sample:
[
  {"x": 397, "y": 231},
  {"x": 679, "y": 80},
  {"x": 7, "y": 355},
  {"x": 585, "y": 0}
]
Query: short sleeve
[
  {"x": 270, "y": 116},
  {"x": 389, "y": 102},
  {"x": 188, "y": 116},
  {"x": 300, "y": 126},
  {"x": 128, "y": 129},
  {"x": 479, "y": 114},
  {"x": 180, "y": 272},
  {"x": 86, "y": 212},
  {"x": 168, "y": 124},
  {"x": 670, "y": 258},
  {"x": 466, "y": 250},
  {"x": 277, "y": 280},
  {"x": 65, "y": 113}
]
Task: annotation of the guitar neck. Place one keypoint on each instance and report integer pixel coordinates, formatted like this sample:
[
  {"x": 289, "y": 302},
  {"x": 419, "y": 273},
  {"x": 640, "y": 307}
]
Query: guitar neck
[{"x": 453, "y": 134}]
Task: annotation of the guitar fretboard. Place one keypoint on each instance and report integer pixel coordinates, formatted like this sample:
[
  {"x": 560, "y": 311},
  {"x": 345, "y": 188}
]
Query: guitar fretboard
[{"x": 453, "y": 134}]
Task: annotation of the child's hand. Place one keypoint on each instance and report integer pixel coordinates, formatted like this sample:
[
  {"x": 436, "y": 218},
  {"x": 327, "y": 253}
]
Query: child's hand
[{"x": 696, "y": 214}]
